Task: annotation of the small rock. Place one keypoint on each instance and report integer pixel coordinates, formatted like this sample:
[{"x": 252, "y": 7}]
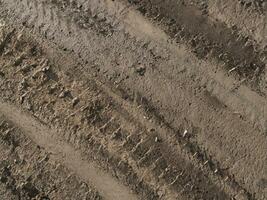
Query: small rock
[
  {"x": 22, "y": 98},
  {"x": 16, "y": 161},
  {"x": 141, "y": 70},
  {"x": 185, "y": 133},
  {"x": 157, "y": 139},
  {"x": 63, "y": 94},
  {"x": 46, "y": 68},
  {"x": 75, "y": 101},
  {"x": 152, "y": 130}
]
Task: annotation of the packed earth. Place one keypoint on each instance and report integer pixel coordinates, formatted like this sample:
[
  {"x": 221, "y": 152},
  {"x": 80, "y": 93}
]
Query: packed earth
[{"x": 133, "y": 99}]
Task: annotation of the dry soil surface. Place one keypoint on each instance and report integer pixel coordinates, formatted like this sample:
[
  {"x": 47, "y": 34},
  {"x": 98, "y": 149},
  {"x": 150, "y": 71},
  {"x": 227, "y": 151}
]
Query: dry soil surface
[{"x": 133, "y": 99}]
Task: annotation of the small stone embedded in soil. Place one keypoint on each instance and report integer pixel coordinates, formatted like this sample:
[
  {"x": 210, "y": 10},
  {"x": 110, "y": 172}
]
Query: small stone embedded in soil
[
  {"x": 157, "y": 139},
  {"x": 185, "y": 133},
  {"x": 63, "y": 94},
  {"x": 152, "y": 130},
  {"x": 141, "y": 70},
  {"x": 22, "y": 97},
  {"x": 75, "y": 101}
]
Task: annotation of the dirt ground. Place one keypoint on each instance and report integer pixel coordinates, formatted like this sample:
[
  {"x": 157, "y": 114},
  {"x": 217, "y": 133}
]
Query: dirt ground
[{"x": 133, "y": 99}]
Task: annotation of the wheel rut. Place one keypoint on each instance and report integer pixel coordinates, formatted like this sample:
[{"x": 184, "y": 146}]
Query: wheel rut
[
  {"x": 46, "y": 138},
  {"x": 165, "y": 104}
]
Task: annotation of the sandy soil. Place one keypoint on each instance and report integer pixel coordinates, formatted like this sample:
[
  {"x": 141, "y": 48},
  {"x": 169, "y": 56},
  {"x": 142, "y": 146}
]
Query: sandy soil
[{"x": 133, "y": 99}]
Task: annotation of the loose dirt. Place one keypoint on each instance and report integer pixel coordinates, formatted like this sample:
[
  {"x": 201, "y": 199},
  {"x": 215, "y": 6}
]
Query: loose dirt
[
  {"x": 65, "y": 154},
  {"x": 135, "y": 99}
]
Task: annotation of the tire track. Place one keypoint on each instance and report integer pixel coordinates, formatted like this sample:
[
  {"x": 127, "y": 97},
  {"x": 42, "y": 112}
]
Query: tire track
[
  {"x": 148, "y": 160},
  {"x": 27, "y": 171},
  {"x": 209, "y": 39},
  {"x": 79, "y": 50},
  {"x": 107, "y": 186}
]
